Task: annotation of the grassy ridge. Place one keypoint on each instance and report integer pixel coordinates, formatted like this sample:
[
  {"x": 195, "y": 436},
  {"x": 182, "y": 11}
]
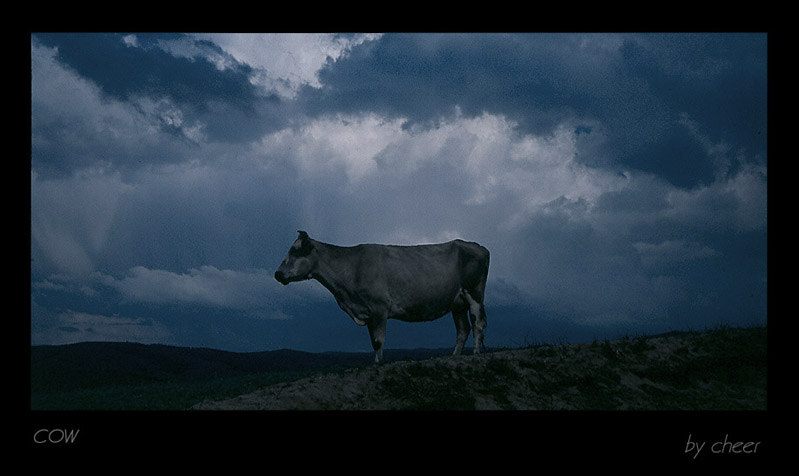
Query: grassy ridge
[{"x": 721, "y": 369}]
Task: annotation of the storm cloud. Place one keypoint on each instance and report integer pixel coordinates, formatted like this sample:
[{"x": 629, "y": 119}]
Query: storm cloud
[{"x": 619, "y": 180}]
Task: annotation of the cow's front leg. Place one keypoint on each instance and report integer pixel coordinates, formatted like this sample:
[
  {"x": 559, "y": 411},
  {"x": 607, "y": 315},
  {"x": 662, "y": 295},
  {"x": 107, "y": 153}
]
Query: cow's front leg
[{"x": 377, "y": 333}]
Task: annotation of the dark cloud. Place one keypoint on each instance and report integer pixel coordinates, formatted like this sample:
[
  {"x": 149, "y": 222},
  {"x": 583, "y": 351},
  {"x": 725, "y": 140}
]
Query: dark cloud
[
  {"x": 124, "y": 71},
  {"x": 180, "y": 91},
  {"x": 636, "y": 85},
  {"x": 424, "y": 77}
]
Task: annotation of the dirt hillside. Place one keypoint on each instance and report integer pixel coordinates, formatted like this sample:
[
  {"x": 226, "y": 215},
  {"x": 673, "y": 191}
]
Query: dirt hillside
[{"x": 720, "y": 370}]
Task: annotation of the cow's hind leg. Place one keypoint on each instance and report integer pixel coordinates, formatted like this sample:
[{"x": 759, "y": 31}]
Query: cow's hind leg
[
  {"x": 462, "y": 327},
  {"x": 477, "y": 314},
  {"x": 377, "y": 334}
]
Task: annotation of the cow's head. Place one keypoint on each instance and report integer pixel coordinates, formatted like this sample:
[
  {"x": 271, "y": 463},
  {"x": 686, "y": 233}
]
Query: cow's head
[{"x": 299, "y": 262}]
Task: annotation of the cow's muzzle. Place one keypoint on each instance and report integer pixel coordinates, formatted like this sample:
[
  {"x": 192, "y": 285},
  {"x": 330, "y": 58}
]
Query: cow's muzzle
[{"x": 281, "y": 278}]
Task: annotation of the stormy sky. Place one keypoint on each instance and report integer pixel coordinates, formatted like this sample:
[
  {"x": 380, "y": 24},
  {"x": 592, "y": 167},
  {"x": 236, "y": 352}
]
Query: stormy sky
[{"x": 619, "y": 180}]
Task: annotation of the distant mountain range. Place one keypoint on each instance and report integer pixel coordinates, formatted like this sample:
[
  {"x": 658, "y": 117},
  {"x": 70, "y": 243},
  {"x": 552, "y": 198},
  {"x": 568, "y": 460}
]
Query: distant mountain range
[{"x": 90, "y": 364}]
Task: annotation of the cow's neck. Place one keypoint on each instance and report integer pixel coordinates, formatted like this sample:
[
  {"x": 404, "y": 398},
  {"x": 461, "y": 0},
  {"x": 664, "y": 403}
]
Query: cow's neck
[{"x": 333, "y": 268}]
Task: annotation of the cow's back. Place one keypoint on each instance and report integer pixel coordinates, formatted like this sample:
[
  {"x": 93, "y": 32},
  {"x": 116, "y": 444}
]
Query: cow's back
[{"x": 421, "y": 282}]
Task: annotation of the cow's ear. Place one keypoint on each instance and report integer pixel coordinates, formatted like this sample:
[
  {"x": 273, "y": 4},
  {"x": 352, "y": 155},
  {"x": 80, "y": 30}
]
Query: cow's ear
[{"x": 304, "y": 239}]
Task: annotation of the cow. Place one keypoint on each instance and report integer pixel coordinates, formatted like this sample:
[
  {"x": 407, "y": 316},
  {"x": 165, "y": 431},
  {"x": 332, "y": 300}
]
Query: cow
[{"x": 373, "y": 283}]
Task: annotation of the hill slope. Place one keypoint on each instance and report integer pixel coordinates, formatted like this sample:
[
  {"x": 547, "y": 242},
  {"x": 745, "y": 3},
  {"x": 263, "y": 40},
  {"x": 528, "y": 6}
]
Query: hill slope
[{"x": 719, "y": 370}]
